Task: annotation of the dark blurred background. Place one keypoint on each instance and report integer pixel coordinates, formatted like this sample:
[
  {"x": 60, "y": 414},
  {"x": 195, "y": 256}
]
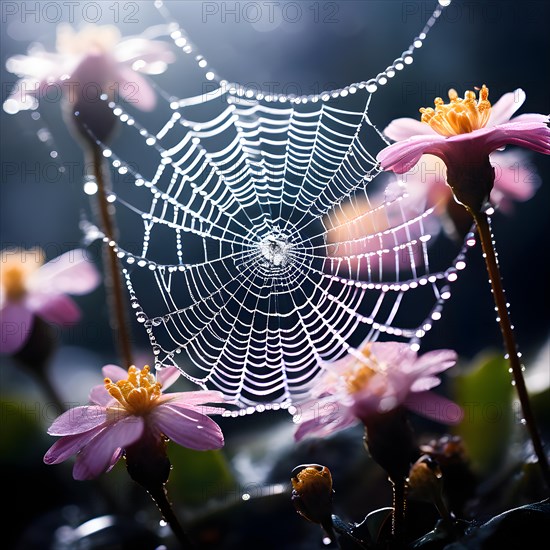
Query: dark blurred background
[{"x": 298, "y": 47}]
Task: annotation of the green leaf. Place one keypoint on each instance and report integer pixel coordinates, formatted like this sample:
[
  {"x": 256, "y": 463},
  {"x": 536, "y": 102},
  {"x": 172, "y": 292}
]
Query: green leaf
[
  {"x": 198, "y": 476},
  {"x": 485, "y": 393},
  {"x": 22, "y": 430}
]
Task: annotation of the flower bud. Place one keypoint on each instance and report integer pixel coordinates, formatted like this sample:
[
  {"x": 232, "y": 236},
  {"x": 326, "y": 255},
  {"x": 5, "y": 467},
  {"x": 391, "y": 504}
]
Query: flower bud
[
  {"x": 147, "y": 462},
  {"x": 312, "y": 493},
  {"x": 390, "y": 441},
  {"x": 424, "y": 480},
  {"x": 39, "y": 348},
  {"x": 89, "y": 117},
  {"x": 459, "y": 480}
]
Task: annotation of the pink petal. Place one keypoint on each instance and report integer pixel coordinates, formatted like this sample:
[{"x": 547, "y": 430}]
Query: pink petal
[
  {"x": 394, "y": 354},
  {"x": 435, "y": 407},
  {"x": 135, "y": 89},
  {"x": 530, "y": 117},
  {"x": 193, "y": 398},
  {"x": 154, "y": 53},
  {"x": 117, "y": 455},
  {"x": 383, "y": 393},
  {"x": 463, "y": 148},
  {"x": 533, "y": 135},
  {"x": 100, "y": 396},
  {"x": 327, "y": 419},
  {"x": 404, "y": 155},
  {"x": 58, "y": 309},
  {"x": 95, "y": 458},
  {"x": 188, "y": 428},
  {"x": 167, "y": 376},
  {"x": 435, "y": 361},
  {"x": 71, "y": 273},
  {"x": 405, "y": 128},
  {"x": 69, "y": 445},
  {"x": 505, "y": 107},
  {"x": 515, "y": 177},
  {"x": 182, "y": 404},
  {"x": 39, "y": 66},
  {"x": 78, "y": 420},
  {"x": 425, "y": 383},
  {"x": 16, "y": 326},
  {"x": 114, "y": 372}
]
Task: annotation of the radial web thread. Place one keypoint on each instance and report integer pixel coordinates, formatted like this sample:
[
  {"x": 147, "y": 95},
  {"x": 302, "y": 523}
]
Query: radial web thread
[{"x": 257, "y": 260}]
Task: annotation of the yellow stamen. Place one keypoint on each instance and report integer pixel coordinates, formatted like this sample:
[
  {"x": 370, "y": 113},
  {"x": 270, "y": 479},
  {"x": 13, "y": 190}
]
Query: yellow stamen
[
  {"x": 13, "y": 280},
  {"x": 360, "y": 374},
  {"x": 138, "y": 393},
  {"x": 16, "y": 265},
  {"x": 459, "y": 116}
]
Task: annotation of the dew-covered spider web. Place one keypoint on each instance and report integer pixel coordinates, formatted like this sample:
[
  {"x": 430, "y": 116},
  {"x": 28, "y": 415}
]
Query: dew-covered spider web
[{"x": 264, "y": 242}]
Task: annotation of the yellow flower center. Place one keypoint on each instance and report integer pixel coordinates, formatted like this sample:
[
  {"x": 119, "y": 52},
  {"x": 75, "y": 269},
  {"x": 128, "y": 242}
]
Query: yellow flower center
[
  {"x": 13, "y": 280},
  {"x": 15, "y": 267},
  {"x": 459, "y": 116},
  {"x": 138, "y": 393},
  {"x": 360, "y": 374}
]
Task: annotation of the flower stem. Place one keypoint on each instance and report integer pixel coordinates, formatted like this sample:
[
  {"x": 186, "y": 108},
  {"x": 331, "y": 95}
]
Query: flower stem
[
  {"x": 399, "y": 488},
  {"x": 113, "y": 280},
  {"x": 484, "y": 230},
  {"x": 35, "y": 356},
  {"x": 161, "y": 500}
]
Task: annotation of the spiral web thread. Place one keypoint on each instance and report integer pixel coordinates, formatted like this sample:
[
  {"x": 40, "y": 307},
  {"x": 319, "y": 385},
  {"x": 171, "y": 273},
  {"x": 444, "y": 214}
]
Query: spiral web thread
[{"x": 259, "y": 261}]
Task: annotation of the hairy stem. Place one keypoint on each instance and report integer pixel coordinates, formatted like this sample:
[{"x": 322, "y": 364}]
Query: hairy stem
[
  {"x": 161, "y": 500},
  {"x": 484, "y": 230},
  {"x": 113, "y": 279},
  {"x": 399, "y": 488}
]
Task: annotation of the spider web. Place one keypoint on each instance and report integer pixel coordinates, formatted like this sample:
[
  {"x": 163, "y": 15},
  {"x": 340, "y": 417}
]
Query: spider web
[{"x": 267, "y": 243}]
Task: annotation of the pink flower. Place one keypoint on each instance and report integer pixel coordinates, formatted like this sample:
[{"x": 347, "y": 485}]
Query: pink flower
[
  {"x": 514, "y": 180},
  {"x": 128, "y": 407},
  {"x": 88, "y": 63},
  {"x": 28, "y": 288},
  {"x": 375, "y": 379},
  {"x": 377, "y": 236},
  {"x": 359, "y": 230},
  {"x": 426, "y": 183},
  {"x": 463, "y": 133}
]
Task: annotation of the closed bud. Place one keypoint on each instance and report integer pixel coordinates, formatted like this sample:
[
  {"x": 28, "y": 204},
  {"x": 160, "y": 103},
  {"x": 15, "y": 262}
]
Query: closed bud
[
  {"x": 390, "y": 441},
  {"x": 424, "y": 480},
  {"x": 312, "y": 493},
  {"x": 147, "y": 462}
]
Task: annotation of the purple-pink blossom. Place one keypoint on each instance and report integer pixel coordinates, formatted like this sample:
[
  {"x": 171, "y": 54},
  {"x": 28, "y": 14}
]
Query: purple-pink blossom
[
  {"x": 130, "y": 406},
  {"x": 426, "y": 182},
  {"x": 358, "y": 230},
  {"x": 28, "y": 287},
  {"x": 93, "y": 61},
  {"x": 463, "y": 133},
  {"x": 375, "y": 379}
]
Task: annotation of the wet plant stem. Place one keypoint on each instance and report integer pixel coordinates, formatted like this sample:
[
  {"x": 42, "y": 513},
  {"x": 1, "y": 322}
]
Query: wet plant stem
[
  {"x": 338, "y": 526},
  {"x": 482, "y": 222},
  {"x": 113, "y": 279},
  {"x": 161, "y": 500},
  {"x": 399, "y": 489}
]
